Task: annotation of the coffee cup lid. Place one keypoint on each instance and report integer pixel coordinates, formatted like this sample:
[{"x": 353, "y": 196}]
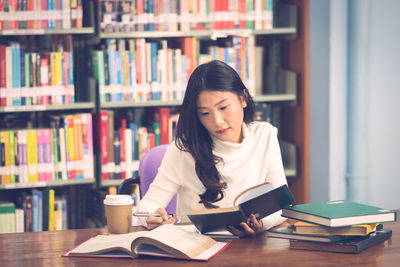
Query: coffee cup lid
[{"x": 118, "y": 200}]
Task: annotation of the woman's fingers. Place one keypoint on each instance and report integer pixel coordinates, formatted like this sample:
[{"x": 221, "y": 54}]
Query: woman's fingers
[{"x": 153, "y": 222}]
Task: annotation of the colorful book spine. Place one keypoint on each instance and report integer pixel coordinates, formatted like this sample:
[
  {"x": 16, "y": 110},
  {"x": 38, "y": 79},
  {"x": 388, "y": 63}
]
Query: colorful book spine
[
  {"x": 40, "y": 155},
  {"x": 5, "y": 140},
  {"x": 48, "y": 164},
  {"x": 103, "y": 142},
  {"x": 78, "y": 146}
]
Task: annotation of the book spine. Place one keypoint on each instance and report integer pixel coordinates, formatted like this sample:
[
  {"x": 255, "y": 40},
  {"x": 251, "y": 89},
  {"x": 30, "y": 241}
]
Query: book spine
[
  {"x": 62, "y": 167},
  {"x": 35, "y": 211},
  {"x": 48, "y": 163},
  {"x": 3, "y": 75},
  {"x": 110, "y": 134},
  {"x": 40, "y": 155},
  {"x": 28, "y": 214},
  {"x": 13, "y": 174},
  {"x": 104, "y": 139},
  {"x": 117, "y": 155},
  {"x": 122, "y": 131},
  {"x": 51, "y": 210},
  {"x": 24, "y": 156},
  {"x": 45, "y": 209},
  {"x": 163, "y": 118},
  {"x": 128, "y": 154},
  {"x": 78, "y": 146}
]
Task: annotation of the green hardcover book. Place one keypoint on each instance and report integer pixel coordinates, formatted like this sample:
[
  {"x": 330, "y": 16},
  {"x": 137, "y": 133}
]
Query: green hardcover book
[
  {"x": 351, "y": 245},
  {"x": 155, "y": 126},
  {"x": 45, "y": 209},
  {"x": 287, "y": 232},
  {"x": 28, "y": 100},
  {"x": 250, "y": 9},
  {"x": 7, "y": 217},
  {"x": 97, "y": 60},
  {"x": 338, "y": 213}
]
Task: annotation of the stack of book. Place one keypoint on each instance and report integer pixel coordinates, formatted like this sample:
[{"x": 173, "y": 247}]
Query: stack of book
[{"x": 335, "y": 226}]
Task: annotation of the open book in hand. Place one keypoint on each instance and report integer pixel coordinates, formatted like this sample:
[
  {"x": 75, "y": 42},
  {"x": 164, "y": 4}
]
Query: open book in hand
[
  {"x": 261, "y": 200},
  {"x": 167, "y": 240}
]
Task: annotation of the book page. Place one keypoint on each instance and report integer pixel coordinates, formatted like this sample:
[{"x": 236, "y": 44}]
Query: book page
[
  {"x": 173, "y": 239},
  {"x": 145, "y": 249},
  {"x": 105, "y": 243},
  {"x": 252, "y": 192}
]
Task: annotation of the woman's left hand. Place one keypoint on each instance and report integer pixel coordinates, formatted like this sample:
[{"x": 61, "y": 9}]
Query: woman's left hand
[{"x": 252, "y": 228}]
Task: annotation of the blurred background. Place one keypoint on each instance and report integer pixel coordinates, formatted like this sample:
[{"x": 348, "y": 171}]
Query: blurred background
[{"x": 354, "y": 96}]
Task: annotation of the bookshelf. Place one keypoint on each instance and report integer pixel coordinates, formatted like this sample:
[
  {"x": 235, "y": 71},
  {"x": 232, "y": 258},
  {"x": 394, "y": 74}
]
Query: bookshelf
[
  {"x": 284, "y": 30},
  {"x": 290, "y": 31},
  {"x": 45, "y": 94}
]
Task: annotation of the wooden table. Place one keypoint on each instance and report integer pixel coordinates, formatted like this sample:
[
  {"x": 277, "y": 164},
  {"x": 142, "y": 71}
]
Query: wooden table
[{"x": 46, "y": 248}]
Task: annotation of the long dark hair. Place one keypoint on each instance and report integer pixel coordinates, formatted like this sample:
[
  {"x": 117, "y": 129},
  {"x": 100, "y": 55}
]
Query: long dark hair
[{"x": 193, "y": 137}]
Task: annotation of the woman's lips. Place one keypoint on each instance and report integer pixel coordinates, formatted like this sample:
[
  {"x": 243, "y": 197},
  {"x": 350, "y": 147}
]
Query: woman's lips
[{"x": 223, "y": 131}]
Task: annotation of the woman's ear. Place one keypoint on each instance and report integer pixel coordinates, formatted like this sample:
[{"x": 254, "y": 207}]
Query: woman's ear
[{"x": 243, "y": 98}]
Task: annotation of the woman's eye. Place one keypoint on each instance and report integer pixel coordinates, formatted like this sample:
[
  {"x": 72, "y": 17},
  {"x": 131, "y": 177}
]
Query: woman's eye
[
  {"x": 224, "y": 107},
  {"x": 203, "y": 113}
]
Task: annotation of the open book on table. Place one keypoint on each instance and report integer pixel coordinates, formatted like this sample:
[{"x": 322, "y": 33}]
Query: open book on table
[
  {"x": 167, "y": 240},
  {"x": 261, "y": 200}
]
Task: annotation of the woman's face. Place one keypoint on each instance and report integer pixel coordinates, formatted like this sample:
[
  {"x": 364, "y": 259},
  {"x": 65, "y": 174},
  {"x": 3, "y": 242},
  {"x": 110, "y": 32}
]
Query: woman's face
[{"x": 221, "y": 113}]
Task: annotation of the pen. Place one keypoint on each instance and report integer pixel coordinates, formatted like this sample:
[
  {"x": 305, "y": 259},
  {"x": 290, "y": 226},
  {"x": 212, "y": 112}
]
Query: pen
[{"x": 148, "y": 214}]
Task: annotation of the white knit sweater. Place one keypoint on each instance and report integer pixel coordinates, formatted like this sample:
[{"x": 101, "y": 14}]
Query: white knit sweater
[{"x": 257, "y": 159}]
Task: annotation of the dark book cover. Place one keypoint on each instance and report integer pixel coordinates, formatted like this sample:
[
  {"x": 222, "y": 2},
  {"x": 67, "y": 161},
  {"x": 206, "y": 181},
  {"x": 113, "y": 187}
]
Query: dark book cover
[
  {"x": 262, "y": 200},
  {"x": 352, "y": 245},
  {"x": 117, "y": 155},
  {"x": 45, "y": 207}
]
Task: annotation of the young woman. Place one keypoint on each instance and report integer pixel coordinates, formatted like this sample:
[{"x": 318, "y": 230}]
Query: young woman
[{"x": 219, "y": 151}]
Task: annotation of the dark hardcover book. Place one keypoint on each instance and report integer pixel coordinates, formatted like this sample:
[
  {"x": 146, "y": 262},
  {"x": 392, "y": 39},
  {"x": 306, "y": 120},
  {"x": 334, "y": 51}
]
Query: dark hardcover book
[
  {"x": 117, "y": 155},
  {"x": 261, "y": 200},
  {"x": 287, "y": 232},
  {"x": 352, "y": 245},
  {"x": 45, "y": 207},
  {"x": 338, "y": 213}
]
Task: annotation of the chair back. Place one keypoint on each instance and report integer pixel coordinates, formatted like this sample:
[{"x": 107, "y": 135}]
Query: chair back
[{"x": 148, "y": 169}]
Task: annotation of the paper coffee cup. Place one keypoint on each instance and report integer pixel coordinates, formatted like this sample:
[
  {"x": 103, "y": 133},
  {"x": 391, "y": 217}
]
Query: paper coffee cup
[{"x": 119, "y": 213}]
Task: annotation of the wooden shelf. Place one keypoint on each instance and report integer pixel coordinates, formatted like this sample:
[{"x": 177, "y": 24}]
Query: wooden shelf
[
  {"x": 48, "y": 183},
  {"x": 78, "y": 105},
  {"x": 152, "y": 103},
  {"x": 207, "y": 33},
  {"x": 157, "y": 103},
  {"x": 86, "y": 30},
  {"x": 275, "y": 98}
]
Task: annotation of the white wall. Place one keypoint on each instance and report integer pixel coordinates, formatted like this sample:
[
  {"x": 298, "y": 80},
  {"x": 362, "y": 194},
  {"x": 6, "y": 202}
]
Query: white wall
[
  {"x": 354, "y": 88},
  {"x": 328, "y": 69},
  {"x": 384, "y": 103}
]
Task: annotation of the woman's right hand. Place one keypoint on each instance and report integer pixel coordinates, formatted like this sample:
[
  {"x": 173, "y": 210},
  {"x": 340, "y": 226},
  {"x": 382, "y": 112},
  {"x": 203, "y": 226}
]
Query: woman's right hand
[{"x": 153, "y": 222}]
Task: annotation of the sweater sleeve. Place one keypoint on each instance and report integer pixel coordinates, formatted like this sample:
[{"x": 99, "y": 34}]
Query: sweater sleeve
[{"x": 165, "y": 184}]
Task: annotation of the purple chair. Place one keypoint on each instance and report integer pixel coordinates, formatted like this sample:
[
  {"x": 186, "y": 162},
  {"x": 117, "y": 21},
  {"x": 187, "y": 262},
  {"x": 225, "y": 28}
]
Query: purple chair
[{"x": 148, "y": 168}]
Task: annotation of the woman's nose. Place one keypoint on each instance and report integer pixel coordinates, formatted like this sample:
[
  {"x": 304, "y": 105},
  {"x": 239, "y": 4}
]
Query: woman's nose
[{"x": 218, "y": 119}]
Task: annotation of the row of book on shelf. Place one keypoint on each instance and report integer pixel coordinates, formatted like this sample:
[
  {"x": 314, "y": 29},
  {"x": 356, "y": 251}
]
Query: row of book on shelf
[
  {"x": 41, "y": 14},
  {"x": 39, "y": 210},
  {"x": 62, "y": 152},
  {"x": 185, "y": 15},
  {"x": 32, "y": 76},
  {"x": 121, "y": 142},
  {"x": 335, "y": 226},
  {"x": 141, "y": 70}
]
